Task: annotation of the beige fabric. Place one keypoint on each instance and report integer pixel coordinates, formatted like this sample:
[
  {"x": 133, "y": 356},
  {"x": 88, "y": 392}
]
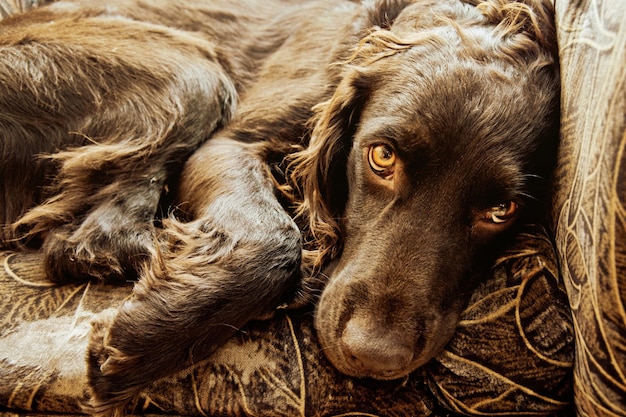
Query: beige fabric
[{"x": 590, "y": 196}]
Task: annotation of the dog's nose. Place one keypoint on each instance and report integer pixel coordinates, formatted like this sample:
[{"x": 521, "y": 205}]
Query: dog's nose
[{"x": 377, "y": 351}]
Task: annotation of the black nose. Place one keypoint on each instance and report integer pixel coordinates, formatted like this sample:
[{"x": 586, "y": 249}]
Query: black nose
[{"x": 376, "y": 351}]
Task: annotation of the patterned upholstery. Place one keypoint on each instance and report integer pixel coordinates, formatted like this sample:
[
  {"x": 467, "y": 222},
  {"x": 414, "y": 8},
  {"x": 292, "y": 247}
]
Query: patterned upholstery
[
  {"x": 513, "y": 353},
  {"x": 589, "y": 207}
]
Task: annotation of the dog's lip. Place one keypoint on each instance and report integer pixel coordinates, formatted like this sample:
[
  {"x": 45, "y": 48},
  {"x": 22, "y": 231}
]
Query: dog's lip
[
  {"x": 359, "y": 372},
  {"x": 352, "y": 368},
  {"x": 389, "y": 375}
]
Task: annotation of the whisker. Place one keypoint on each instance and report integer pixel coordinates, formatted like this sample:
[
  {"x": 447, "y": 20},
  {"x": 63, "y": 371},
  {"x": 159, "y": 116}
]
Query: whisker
[{"x": 529, "y": 196}]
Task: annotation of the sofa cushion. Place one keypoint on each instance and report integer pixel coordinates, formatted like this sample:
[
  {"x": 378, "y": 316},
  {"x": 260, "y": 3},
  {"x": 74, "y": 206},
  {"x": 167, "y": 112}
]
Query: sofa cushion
[
  {"x": 513, "y": 349},
  {"x": 512, "y": 353}
]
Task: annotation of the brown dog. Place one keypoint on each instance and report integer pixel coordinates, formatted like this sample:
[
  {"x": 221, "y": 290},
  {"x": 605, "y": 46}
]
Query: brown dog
[{"x": 149, "y": 139}]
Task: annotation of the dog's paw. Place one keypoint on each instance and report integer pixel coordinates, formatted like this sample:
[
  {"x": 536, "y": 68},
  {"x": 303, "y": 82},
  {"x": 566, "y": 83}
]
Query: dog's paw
[
  {"x": 86, "y": 253},
  {"x": 110, "y": 393}
]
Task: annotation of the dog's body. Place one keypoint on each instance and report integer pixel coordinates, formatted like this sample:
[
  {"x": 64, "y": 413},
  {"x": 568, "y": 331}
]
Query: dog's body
[{"x": 424, "y": 127}]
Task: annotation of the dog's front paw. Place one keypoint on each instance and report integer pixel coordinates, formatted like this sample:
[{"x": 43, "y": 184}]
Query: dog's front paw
[{"x": 110, "y": 391}]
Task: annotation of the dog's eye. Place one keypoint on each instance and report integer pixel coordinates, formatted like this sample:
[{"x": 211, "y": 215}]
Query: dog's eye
[
  {"x": 501, "y": 213},
  {"x": 382, "y": 159}
]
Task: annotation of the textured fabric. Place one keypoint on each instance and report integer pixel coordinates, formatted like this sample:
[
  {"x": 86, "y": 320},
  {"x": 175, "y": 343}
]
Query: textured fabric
[
  {"x": 514, "y": 344},
  {"x": 590, "y": 196},
  {"x": 512, "y": 353}
]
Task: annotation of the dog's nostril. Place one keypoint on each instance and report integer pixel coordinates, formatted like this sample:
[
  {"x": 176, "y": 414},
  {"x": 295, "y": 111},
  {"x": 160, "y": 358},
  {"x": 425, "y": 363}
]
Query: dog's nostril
[{"x": 377, "y": 351}]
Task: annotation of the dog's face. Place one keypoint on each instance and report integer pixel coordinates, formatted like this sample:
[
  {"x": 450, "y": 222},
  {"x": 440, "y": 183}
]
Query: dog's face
[{"x": 435, "y": 151}]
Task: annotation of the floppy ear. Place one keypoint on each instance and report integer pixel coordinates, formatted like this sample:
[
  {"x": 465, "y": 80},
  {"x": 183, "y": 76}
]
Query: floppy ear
[{"x": 319, "y": 171}]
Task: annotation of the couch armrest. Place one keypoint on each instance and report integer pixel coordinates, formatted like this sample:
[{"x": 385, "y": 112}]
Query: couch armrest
[{"x": 589, "y": 209}]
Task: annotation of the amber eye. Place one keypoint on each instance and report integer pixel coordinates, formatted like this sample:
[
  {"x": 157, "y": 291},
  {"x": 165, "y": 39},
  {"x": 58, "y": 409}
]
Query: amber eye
[
  {"x": 501, "y": 213},
  {"x": 382, "y": 159}
]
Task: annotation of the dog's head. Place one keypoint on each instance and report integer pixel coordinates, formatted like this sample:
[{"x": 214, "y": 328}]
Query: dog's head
[{"x": 430, "y": 150}]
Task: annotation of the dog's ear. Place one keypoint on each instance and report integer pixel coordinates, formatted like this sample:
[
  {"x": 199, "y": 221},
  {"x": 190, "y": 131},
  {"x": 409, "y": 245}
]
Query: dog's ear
[{"x": 319, "y": 171}]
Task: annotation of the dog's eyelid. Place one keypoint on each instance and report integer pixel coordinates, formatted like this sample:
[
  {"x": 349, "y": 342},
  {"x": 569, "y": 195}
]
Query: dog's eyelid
[{"x": 379, "y": 138}]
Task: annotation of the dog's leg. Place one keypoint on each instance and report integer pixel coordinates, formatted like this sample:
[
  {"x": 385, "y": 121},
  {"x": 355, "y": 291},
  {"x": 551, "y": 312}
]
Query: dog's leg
[
  {"x": 107, "y": 207},
  {"x": 115, "y": 237},
  {"x": 124, "y": 120},
  {"x": 235, "y": 261},
  {"x": 100, "y": 224}
]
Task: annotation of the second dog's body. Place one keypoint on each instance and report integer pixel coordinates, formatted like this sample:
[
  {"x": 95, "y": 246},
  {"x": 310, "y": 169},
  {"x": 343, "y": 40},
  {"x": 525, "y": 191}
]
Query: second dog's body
[{"x": 150, "y": 139}]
